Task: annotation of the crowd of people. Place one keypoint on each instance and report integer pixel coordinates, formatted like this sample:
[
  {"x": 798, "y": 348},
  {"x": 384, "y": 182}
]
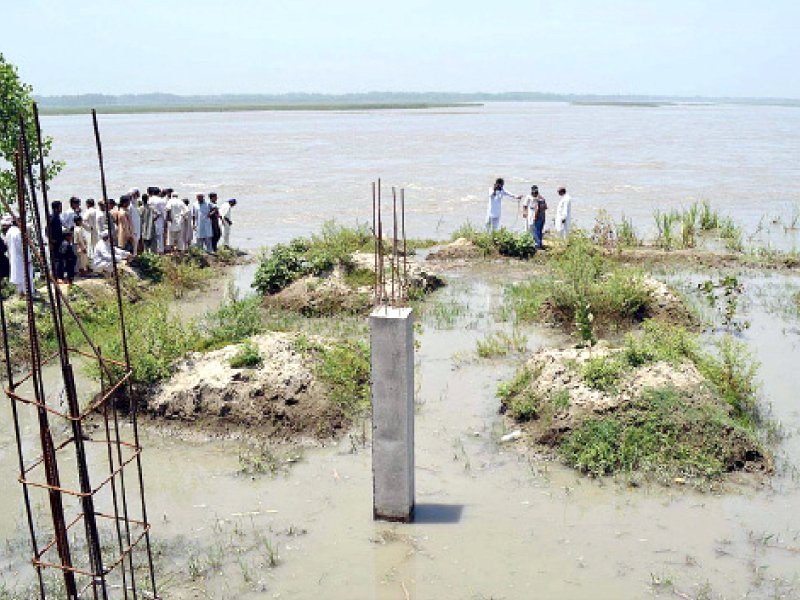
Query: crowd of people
[
  {"x": 83, "y": 236},
  {"x": 534, "y": 211}
]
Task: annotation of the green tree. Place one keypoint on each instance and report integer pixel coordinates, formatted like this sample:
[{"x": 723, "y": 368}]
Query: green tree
[{"x": 16, "y": 99}]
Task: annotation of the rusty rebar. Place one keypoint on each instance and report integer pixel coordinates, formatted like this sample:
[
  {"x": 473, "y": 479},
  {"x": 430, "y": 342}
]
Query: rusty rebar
[
  {"x": 394, "y": 242},
  {"x": 404, "y": 287},
  {"x": 87, "y": 502},
  {"x": 18, "y": 439},
  {"x": 374, "y": 247},
  {"x": 132, "y": 404},
  {"x": 381, "y": 280},
  {"x": 46, "y": 440}
]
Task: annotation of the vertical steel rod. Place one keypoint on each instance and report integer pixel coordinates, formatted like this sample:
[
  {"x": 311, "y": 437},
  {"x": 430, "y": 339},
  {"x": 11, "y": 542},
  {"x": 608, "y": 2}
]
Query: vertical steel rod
[
  {"x": 132, "y": 401},
  {"x": 48, "y": 448},
  {"x": 404, "y": 287},
  {"x": 87, "y": 501},
  {"x": 374, "y": 247}
]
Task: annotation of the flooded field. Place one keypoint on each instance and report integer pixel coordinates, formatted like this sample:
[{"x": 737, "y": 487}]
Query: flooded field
[{"x": 492, "y": 520}]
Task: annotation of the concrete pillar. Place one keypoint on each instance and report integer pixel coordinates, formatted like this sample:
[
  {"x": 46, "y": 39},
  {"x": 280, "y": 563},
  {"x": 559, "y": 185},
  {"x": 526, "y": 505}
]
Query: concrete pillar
[{"x": 391, "y": 332}]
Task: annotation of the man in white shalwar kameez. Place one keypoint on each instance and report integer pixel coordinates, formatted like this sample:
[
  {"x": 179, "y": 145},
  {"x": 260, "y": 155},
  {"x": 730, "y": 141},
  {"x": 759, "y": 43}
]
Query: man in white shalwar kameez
[
  {"x": 159, "y": 205},
  {"x": 136, "y": 218},
  {"x": 226, "y": 220},
  {"x": 564, "y": 213},
  {"x": 495, "y": 199},
  {"x": 13, "y": 239},
  {"x": 102, "y": 261}
]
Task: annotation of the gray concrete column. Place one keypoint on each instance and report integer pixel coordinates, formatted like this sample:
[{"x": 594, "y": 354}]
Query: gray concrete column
[{"x": 391, "y": 332}]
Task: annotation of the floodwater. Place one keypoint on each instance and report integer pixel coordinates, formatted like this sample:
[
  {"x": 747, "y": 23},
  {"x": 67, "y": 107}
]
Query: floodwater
[
  {"x": 491, "y": 522},
  {"x": 292, "y": 171}
]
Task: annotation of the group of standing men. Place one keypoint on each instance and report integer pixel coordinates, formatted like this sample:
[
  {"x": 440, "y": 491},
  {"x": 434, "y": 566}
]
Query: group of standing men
[
  {"x": 534, "y": 211},
  {"x": 82, "y": 238}
]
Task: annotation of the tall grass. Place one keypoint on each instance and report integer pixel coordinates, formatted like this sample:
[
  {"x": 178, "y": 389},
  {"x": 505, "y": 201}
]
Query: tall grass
[
  {"x": 626, "y": 234},
  {"x": 581, "y": 277}
]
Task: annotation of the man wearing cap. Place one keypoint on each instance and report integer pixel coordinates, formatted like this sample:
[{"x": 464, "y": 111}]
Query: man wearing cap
[
  {"x": 13, "y": 238},
  {"x": 225, "y": 219},
  {"x": 102, "y": 261}
]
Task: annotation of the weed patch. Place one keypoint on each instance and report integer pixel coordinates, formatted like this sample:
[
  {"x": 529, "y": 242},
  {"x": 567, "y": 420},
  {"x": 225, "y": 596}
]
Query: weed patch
[{"x": 247, "y": 357}]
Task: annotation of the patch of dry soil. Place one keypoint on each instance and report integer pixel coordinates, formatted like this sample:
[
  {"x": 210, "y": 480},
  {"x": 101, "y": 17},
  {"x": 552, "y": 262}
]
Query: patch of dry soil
[{"x": 282, "y": 398}]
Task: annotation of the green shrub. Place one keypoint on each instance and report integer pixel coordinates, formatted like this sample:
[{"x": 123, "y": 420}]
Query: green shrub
[
  {"x": 518, "y": 384},
  {"x": 248, "y": 356},
  {"x": 514, "y": 245},
  {"x": 582, "y": 283},
  {"x": 151, "y": 266},
  {"x": 524, "y": 407},
  {"x": 503, "y": 241},
  {"x": 602, "y": 372},
  {"x": 286, "y": 263},
  {"x": 345, "y": 368},
  {"x": 732, "y": 373}
]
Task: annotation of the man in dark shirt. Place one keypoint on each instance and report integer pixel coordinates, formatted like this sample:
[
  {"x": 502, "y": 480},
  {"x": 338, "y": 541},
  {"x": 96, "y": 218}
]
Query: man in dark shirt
[{"x": 55, "y": 235}]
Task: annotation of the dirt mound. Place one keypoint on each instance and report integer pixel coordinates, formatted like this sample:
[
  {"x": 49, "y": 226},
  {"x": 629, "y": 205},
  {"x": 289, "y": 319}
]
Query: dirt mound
[
  {"x": 560, "y": 370},
  {"x": 282, "y": 398},
  {"x": 460, "y": 249},
  {"x": 665, "y": 305},
  {"x": 321, "y": 296},
  {"x": 659, "y": 417},
  {"x": 348, "y": 289}
]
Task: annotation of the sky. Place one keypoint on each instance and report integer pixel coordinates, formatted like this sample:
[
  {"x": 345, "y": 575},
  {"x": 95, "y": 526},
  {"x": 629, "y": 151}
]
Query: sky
[{"x": 654, "y": 47}]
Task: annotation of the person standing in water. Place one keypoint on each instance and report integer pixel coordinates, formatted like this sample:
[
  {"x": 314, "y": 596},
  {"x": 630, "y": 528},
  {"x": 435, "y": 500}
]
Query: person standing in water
[
  {"x": 495, "y": 200},
  {"x": 564, "y": 213}
]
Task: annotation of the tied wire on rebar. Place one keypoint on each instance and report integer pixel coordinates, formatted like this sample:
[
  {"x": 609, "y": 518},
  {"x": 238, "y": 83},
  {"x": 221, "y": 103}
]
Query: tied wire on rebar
[
  {"x": 394, "y": 291},
  {"x": 120, "y": 454}
]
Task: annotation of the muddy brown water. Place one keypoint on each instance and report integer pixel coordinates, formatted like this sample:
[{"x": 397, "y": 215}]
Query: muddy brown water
[{"x": 491, "y": 523}]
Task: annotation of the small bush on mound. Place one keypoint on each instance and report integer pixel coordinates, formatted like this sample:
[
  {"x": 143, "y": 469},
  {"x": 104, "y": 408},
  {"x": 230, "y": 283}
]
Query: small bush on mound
[
  {"x": 287, "y": 263},
  {"x": 247, "y": 357},
  {"x": 583, "y": 279},
  {"x": 150, "y": 266},
  {"x": 503, "y": 241},
  {"x": 345, "y": 368}
]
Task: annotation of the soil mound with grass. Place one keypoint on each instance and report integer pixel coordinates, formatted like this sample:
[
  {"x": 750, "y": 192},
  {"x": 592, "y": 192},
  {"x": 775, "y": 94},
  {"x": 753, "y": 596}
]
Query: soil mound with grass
[
  {"x": 349, "y": 288},
  {"x": 665, "y": 413},
  {"x": 282, "y": 397}
]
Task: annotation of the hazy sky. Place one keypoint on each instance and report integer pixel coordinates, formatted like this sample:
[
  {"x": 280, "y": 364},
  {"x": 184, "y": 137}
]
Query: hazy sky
[{"x": 682, "y": 47}]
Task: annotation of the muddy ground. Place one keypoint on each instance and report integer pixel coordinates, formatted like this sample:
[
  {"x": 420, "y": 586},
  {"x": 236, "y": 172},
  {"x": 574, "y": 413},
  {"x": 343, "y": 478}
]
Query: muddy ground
[{"x": 493, "y": 521}]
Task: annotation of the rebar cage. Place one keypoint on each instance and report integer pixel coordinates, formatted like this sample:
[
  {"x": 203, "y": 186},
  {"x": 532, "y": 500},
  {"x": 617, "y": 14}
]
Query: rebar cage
[{"x": 79, "y": 453}]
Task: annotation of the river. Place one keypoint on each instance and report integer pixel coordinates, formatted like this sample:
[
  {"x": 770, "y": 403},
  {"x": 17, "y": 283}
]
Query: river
[{"x": 291, "y": 171}]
